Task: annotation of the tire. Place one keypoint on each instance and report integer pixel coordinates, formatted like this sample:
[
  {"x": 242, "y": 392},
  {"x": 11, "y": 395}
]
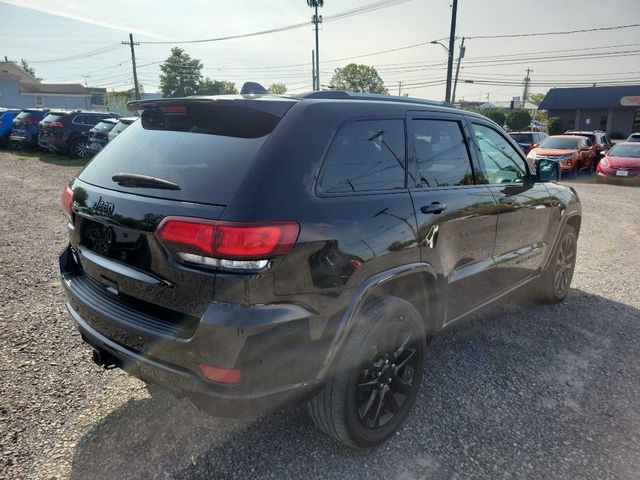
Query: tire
[
  {"x": 554, "y": 284},
  {"x": 79, "y": 148},
  {"x": 376, "y": 377}
]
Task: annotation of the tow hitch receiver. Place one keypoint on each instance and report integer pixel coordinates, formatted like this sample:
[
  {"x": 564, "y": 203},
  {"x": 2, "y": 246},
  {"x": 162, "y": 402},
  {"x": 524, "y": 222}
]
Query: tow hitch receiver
[{"x": 104, "y": 359}]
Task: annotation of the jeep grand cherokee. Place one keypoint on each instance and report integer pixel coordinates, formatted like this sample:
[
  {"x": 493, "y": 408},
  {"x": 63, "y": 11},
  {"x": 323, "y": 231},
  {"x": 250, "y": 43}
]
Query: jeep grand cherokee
[{"x": 251, "y": 251}]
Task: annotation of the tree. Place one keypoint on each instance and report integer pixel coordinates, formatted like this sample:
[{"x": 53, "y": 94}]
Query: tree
[
  {"x": 117, "y": 101},
  {"x": 496, "y": 115},
  {"x": 358, "y": 78},
  {"x": 28, "y": 68},
  {"x": 181, "y": 75},
  {"x": 536, "y": 98},
  {"x": 553, "y": 126},
  {"x": 518, "y": 119},
  {"x": 215, "y": 87},
  {"x": 278, "y": 88}
]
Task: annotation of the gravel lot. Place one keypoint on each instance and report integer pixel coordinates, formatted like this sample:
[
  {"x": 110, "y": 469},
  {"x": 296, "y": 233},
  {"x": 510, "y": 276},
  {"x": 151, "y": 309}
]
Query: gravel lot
[{"x": 523, "y": 390}]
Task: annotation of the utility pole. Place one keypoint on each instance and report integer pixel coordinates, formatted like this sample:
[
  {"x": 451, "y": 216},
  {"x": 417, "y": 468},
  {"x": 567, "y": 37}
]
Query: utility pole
[
  {"x": 317, "y": 19},
  {"x": 452, "y": 41},
  {"x": 526, "y": 87},
  {"x": 313, "y": 70},
  {"x": 455, "y": 82},
  {"x": 399, "y": 88},
  {"x": 131, "y": 43}
]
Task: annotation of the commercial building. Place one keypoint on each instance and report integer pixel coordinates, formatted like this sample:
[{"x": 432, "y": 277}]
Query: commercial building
[{"x": 616, "y": 110}]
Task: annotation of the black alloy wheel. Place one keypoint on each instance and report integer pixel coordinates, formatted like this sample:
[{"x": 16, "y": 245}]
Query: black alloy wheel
[
  {"x": 386, "y": 378},
  {"x": 376, "y": 377}
]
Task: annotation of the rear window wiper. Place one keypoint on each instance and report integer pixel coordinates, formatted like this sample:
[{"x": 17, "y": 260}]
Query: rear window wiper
[{"x": 136, "y": 180}]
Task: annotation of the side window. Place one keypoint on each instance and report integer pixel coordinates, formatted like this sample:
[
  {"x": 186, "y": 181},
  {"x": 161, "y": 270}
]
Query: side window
[
  {"x": 365, "y": 156},
  {"x": 79, "y": 119},
  {"x": 441, "y": 153},
  {"x": 502, "y": 162}
]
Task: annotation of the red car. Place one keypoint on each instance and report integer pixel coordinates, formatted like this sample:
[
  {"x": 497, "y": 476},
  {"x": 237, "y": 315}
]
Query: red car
[
  {"x": 621, "y": 163},
  {"x": 573, "y": 152}
]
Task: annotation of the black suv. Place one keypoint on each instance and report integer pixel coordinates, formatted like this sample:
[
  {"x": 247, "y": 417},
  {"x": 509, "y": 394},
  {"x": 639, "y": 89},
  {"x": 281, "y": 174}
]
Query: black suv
[
  {"x": 68, "y": 131},
  {"x": 252, "y": 251},
  {"x": 528, "y": 140}
]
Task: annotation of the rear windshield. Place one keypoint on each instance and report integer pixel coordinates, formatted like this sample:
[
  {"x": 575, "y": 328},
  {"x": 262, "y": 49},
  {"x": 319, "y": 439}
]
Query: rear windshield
[
  {"x": 104, "y": 126},
  {"x": 55, "y": 117},
  {"x": 203, "y": 147},
  {"x": 25, "y": 115},
  {"x": 522, "y": 137},
  {"x": 632, "y": 151},
  {"x": 560, "y": 143}
]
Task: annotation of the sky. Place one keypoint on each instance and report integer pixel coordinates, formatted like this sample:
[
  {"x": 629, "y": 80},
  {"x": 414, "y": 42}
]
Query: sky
[{"x": 78, "y": 41}]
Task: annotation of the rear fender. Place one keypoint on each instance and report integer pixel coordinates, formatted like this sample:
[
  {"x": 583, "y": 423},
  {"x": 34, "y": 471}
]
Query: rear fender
[{"x": 415, "y": 283}]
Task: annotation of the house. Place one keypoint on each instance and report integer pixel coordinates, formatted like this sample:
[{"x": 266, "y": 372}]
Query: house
[
  {"x": 616, "y": 110},
  {"x": 19, "y": 89}
]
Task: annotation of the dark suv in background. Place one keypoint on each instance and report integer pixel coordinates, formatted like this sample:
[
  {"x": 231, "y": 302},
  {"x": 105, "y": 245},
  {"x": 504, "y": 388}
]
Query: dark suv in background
[
  {"x": 251, "y": 251},
  {"x": 528, "y": 140},
  {"x": 26, "y": 127},
  {"x": 68, "y": 131}
]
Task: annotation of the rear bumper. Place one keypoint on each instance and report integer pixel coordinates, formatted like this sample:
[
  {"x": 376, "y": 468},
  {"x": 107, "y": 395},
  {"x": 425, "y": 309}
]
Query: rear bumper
[
  {"x": 52, "y": 144},
  {"x": 159, "y": 355}
]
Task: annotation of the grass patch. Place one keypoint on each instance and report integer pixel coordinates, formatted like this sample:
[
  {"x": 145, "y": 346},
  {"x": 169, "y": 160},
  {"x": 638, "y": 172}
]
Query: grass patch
[{"x": 50, "y": 157}]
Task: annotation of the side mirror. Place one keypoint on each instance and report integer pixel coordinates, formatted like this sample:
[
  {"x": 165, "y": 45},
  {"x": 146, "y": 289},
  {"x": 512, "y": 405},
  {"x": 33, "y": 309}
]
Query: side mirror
[
  {"x": 603, "y": 152},
  {"x": 548, "y": 170}
]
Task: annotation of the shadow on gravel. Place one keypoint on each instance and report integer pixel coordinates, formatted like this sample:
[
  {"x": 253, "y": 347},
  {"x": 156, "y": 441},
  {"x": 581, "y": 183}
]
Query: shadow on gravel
[{"x": 522, "y": 390}]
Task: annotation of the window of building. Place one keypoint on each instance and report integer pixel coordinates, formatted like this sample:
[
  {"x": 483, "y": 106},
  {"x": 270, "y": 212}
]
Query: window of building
[
  {"x": 503, "y": 164},
  {"x": 603, "y": 122},
  {"x": 441, "y": 153},
  {"x": 39, "y": 101},
  {"x": 365, "y": 156}
]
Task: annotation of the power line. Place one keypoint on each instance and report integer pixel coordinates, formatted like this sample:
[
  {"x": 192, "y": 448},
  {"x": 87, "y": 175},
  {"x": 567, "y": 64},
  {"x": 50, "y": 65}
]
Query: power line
[
  {"x": 565, "y": 32},
  {"x": 328, "y": 18},
  {"x": 80, "y": 56}
]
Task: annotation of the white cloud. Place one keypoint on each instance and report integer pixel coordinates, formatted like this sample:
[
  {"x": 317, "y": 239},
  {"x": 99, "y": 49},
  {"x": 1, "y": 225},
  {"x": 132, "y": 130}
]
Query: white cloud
[{"x": 82, "y": 12}]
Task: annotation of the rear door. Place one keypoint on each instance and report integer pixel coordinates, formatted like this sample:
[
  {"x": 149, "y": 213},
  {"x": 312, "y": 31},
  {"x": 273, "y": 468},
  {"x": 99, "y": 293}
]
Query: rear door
[
  {"x": 455, "y": 215},
  {"x": 523, "y": 206}
]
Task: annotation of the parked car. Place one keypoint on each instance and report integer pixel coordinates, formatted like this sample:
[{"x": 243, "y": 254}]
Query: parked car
[
  {"x": 599, "y": 139},
  {"x": 26, "y": 127},
  {"x": 634, "y": 137},
  {"x": 68, "y": 131},
  {"x": 99, "y": 135},
  {"x": 225, "y": 251},
  {"x": 6, "y": 124},
  {"x": 528, "y": 140},
  {"x": 573, "y": 152},
  {"x": 621, "y": 163},
  {"x": 122, "y": 124}
]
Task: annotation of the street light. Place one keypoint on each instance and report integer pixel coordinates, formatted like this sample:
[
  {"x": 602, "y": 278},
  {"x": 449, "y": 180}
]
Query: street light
[{"x": 435, "y": 42}]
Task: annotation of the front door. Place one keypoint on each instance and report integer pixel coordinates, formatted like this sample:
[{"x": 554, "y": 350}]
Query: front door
[
  {"x": 524, "y": 207},
  {"x": 455, "y": 217}
]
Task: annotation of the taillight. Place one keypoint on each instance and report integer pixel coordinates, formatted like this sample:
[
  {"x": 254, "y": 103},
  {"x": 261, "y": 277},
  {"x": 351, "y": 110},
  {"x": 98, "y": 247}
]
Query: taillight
[
  {"x": 55, "y": 124},
  {"x": 230, "y": 245},
  {"x": 67, "y": 200}
]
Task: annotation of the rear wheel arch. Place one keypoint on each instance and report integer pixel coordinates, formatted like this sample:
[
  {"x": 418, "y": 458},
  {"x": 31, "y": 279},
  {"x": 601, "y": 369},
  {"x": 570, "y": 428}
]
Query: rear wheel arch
[{"x": 414, "y": 283}]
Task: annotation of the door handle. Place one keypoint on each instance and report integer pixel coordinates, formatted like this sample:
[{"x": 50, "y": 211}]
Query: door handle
[{"x": 435, "y": 207}]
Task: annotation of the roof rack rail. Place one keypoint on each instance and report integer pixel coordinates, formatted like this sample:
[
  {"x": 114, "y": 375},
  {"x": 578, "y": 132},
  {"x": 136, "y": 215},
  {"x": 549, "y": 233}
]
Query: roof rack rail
[{"x": 342, "y": 95}]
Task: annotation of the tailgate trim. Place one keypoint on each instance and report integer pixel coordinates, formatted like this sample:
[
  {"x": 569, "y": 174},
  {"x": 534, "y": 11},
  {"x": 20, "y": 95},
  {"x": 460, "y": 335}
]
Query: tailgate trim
[{"x": 121, "y": 269}]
